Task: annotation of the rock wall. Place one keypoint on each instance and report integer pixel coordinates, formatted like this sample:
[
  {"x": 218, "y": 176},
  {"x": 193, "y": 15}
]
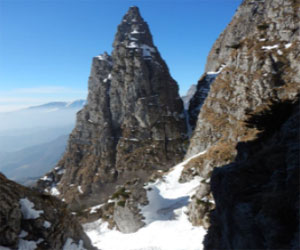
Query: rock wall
[
  {"x": 255, "y": 62},
  {"x": 257, "y": 196},
  {"x": 132, "y": 125},
  {"x": 30, "y": 220},
  {"x": 263, "y": 65}
]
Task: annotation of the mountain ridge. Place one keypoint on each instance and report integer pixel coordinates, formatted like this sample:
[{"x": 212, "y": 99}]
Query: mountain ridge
[{"x": 73, "y": 104}]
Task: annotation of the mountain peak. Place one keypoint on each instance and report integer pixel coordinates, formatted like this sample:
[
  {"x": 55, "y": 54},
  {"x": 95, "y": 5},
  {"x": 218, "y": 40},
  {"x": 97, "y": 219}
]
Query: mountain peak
[
  {"x": 133, "y": 13},
  {"x": 133, "y": 31}
]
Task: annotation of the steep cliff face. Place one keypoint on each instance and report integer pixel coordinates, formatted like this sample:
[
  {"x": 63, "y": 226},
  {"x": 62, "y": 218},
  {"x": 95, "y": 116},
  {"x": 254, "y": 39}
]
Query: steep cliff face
[
  {"x": 255, "y": 62},
  {"x": 30, "y": 220},
  {"x": 197, "y": 100},
  {"x": 132, "y": 125},
  {"x": 257, "y": 196},
  {"x": 262, "y": 65}
]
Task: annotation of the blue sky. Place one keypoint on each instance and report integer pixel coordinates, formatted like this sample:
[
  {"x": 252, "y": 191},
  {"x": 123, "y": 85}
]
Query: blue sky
[{"x": 46, "y": 46}]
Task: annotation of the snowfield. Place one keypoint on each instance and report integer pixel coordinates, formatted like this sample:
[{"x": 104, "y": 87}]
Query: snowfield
[{"x": 167, "y": 226}]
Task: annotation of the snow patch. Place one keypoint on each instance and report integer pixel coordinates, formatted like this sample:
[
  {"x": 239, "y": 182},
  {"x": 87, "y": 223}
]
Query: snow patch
[
  {"x": 27, "y": 209},
  {"x": 47, "y": 224},
  {"x": 95, "y": 208},
  {"x": 279, "y": 52},
  {"x": 104, "y": 58},
  {"x": 135, "y": 31},
  {"x": 270, "y": 47},
  {"x": 54, "y": 191},
  {"x": 23, "y": 234},
  {"x": 133, "y": 45},
  {"x": 46, "y": 178},
  {"x": 146, "y": 49},
  {"x": 133, "y": 139},
  {"x": 27, "y": 245},
  {"x": 215, "y": 73},
  {"x": 288, "y": 45},
  {"x": 168, "y": 194},
  {"x": 71, "y": 245},
  {"x": 79, "y": 189},
  {"x": 101, "y": 57}
]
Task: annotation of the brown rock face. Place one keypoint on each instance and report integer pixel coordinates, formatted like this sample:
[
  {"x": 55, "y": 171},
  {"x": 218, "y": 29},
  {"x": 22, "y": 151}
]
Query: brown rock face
[
  {"x": 28, "y": 218},
  {"x": 255, "y": 62},
  {"x": 263, "y": 65},
  {"x": 133, "y": 122}
]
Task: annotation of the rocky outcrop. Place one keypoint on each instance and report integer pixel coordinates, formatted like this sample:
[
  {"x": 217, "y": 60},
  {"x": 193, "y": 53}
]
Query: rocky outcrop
[
  {"x": 30, "y": 220},
  {"x": 132, "y": 125},
  {"x": 257, "y": 196},
  {"x": 255, "y": 62}
]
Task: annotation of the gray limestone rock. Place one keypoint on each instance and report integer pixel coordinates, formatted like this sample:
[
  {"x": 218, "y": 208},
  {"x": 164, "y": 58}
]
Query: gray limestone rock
[
  {"x": 132, "y": 125},
  {"x": 126, "y": 220}
]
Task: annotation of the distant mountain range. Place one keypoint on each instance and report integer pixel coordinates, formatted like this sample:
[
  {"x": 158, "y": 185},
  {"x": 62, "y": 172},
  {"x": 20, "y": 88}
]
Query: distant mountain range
[
  {"x": 60, "y": 105},
  {"x": 33, "y": 139},
  {"x": 53, "y": 114}
]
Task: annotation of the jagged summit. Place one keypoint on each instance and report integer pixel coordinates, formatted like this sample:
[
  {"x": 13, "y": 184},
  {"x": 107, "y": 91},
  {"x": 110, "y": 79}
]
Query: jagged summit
[
  {"x": 133, "y": 34},
  {"x": 133, "y": 14}
]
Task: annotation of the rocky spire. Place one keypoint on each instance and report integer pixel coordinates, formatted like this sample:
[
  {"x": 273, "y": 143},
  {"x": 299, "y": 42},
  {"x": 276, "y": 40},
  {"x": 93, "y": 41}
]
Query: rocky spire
[
  {"x": 133, "y": 123},
  {"x": 132, "y": 29}
]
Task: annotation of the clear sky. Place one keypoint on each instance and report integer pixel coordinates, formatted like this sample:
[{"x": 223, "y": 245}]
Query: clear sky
[{"x": 46, "y": 46}]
